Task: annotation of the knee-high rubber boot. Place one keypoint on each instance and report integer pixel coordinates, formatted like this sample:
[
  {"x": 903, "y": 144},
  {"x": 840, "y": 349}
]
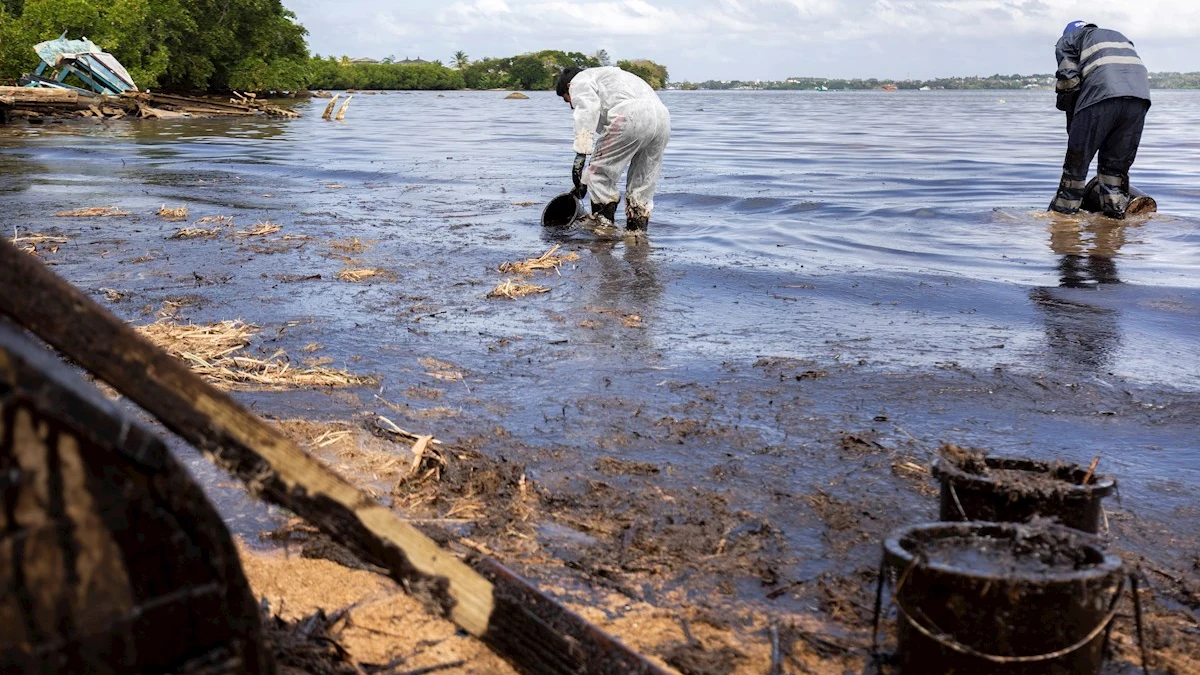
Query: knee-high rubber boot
[
  {"x": 636, "y": 218},
  {"x": 608, "y": 211}
]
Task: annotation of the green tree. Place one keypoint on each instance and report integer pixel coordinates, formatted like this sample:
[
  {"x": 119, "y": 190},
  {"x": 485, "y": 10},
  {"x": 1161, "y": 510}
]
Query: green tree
[
  {"x": 653, "y": 73},
  {"x": 461, "y": 60}
]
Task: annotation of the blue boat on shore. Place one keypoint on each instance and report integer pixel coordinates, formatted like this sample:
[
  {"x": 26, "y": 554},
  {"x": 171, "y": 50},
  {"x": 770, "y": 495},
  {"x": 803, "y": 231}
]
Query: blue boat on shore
[{"x": 98, "y": 70}]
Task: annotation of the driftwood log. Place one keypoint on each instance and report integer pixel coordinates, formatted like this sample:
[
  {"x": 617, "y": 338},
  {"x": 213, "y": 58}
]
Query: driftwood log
[
  {"x": 38, "y": 101},
  {"x": 111, "y": 558},
  {"x": 532, "y": 631}
]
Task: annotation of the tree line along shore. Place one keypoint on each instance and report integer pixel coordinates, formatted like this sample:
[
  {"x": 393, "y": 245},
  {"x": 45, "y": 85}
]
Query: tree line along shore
[{"x": 256, "y": 46}]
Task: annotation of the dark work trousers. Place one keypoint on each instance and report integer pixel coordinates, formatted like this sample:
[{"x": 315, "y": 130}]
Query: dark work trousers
[{"x": 1114, "y": 128}]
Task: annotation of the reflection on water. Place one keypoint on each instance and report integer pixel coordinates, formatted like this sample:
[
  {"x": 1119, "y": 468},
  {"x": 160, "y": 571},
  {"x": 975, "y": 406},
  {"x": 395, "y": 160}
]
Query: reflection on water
[{"x": 1076, "y": 331}]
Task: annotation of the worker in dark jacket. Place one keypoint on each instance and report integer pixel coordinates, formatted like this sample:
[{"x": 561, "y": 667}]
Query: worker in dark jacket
[{"x": 1104, "y": 88}]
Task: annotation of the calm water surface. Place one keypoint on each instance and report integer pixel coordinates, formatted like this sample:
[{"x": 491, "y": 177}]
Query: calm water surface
[{"x": 904, "y": 232}]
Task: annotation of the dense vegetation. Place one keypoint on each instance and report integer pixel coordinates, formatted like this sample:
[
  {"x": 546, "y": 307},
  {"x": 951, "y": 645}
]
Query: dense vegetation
[
  {"x": 254, "y": 45},
  {"x": 1157, "y": 81},
  {"x": 534, "y": 71},
  {"x": 167, "y": 44}
]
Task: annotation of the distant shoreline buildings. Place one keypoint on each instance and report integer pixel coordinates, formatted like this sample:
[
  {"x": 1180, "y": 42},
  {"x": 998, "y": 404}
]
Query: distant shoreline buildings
[{"x": 1167, "y": 80}]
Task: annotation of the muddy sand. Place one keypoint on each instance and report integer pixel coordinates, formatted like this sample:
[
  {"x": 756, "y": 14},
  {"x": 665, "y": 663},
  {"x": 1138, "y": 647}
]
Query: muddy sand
[{"x": 720, "y": 518}]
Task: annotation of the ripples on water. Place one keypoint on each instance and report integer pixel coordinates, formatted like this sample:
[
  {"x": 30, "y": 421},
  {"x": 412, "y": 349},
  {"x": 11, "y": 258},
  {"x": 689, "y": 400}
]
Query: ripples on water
[
  {"x": 901, "y": 230},
  {"x": 855, "y": 189}
]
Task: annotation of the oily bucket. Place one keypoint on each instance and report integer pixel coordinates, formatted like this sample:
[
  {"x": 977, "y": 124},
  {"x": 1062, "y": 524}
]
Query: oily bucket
[
  {"x": 562, "y": 211},
  {"x": 1001, "y": 598},
  {"x": 1017, "y": 490},
  {"x": 1139, "y": 202}
]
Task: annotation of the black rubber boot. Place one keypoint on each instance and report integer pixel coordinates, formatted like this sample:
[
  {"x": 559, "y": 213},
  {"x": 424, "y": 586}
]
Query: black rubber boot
[
  {"x": 607, "y": 210},
  {"x": 636, "y": 219}
]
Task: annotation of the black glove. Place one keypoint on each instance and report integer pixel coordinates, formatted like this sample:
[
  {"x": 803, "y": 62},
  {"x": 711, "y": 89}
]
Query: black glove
[{"x": 577, "y": 176}]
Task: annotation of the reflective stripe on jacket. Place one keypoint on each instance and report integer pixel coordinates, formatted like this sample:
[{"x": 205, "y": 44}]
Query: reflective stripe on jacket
[{"x": 1095, "y": 64}]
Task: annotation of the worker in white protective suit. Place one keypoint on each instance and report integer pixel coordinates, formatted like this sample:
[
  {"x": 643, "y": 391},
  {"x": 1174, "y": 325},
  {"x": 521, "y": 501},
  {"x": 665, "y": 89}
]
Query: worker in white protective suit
[{"x": 633, "y": 127}]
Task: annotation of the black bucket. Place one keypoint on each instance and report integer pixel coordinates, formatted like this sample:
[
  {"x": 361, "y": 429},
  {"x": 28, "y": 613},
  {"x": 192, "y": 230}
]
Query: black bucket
[
  {"x": 1001, "y": 598},
  {"x": 1139, "y": 202},
  {"x": 1013, "y": 490},
  {"x": 562, "y": 211}
]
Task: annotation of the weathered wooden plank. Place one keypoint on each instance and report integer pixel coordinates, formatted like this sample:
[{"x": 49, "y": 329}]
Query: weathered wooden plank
[
  {"x": 113, "y": 560},
  {"x": 40, "y": 95},
  {"x": 538, "y": 637}
]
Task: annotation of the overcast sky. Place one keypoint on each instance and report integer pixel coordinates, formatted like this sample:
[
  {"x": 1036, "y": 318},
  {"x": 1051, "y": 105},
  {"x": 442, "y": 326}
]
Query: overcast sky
[{"x": 757, "y": 39}]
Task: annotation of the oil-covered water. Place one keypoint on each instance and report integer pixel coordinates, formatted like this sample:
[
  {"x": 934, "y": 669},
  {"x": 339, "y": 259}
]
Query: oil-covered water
[{"x": 819, "y": 264}]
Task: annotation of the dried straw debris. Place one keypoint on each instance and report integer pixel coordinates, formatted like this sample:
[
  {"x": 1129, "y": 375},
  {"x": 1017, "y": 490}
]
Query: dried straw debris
[
  {"x": 547, "y": 261},
  {"x": 352, "y": 245},
  {"x": 197, "y": 233},
  {"x": 177, "y": 213},
  {"x": 355, "y": 275},
  {"x": 260, "y": 229},
  {"x": 94, "y": 212},
  {"x": 29, "y": 242},
  {"x": 113, "y": 295},
  {"x": 512, "y": 289},
  {"x": 36, "y": 238},
  {"x": 227, "y": 221},
  {"x": 217, "y": 353},
  {"x": 441, "y": 370}
]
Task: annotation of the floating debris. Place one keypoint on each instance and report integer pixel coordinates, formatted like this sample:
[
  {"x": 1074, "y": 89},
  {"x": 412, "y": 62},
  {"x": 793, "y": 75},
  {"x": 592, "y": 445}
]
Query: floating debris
[
  {"x": 197, "y": 233},
  {"x": 441, "y": 370},
  {"x": 179, "y": 213},
  {"x": 94, "y": 212},
  {"x": 221, "y": 220},
  {"x": 516, "y": 288},
  {"x": 216, "y": 352},
  {"x": 29, "y": 242},
  {"x": 353, "y": 246},
  {"x": 356, "y": 275},
  {"x": 260, "y": 229},
  {"x": 546, "y": 261},
  {"x": 341, "y": 113}
]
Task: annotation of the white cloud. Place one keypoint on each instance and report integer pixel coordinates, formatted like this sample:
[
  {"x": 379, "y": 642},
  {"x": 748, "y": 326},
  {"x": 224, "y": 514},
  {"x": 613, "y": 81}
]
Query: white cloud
[{"x": 753, "y": 39}]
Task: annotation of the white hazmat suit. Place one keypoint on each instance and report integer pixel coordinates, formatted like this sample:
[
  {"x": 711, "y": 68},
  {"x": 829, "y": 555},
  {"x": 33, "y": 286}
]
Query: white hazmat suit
[{"x": 633, "y": 127}]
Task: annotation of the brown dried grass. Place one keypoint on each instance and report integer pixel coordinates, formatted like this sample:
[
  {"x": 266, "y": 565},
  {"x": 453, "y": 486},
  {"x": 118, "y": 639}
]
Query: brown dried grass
[
  {"x": 197, "y": 233},
  {"x": 29, "y": 242},
  {"x": 512, "y": 289},
  {"x": 260, "y": 229},
  {"x": 352, "y": 246},
  {"x": 93, "y": 212},
  {"x": 355, "y": 275},
  {"x": 177, "y": 213},
  {"x": 546, "y": 261},
  {"x": 217, "y": 353},
  {"x": 36, "y": 238},
  {"x": 220, "y": 220}
]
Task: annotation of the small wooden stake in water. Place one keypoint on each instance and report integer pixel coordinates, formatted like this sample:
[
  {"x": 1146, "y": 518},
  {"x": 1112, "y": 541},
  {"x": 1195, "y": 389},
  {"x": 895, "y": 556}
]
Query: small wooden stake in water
[
  {"x": 329, "y": 108},
  {"x": 341, "y": 115}
]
